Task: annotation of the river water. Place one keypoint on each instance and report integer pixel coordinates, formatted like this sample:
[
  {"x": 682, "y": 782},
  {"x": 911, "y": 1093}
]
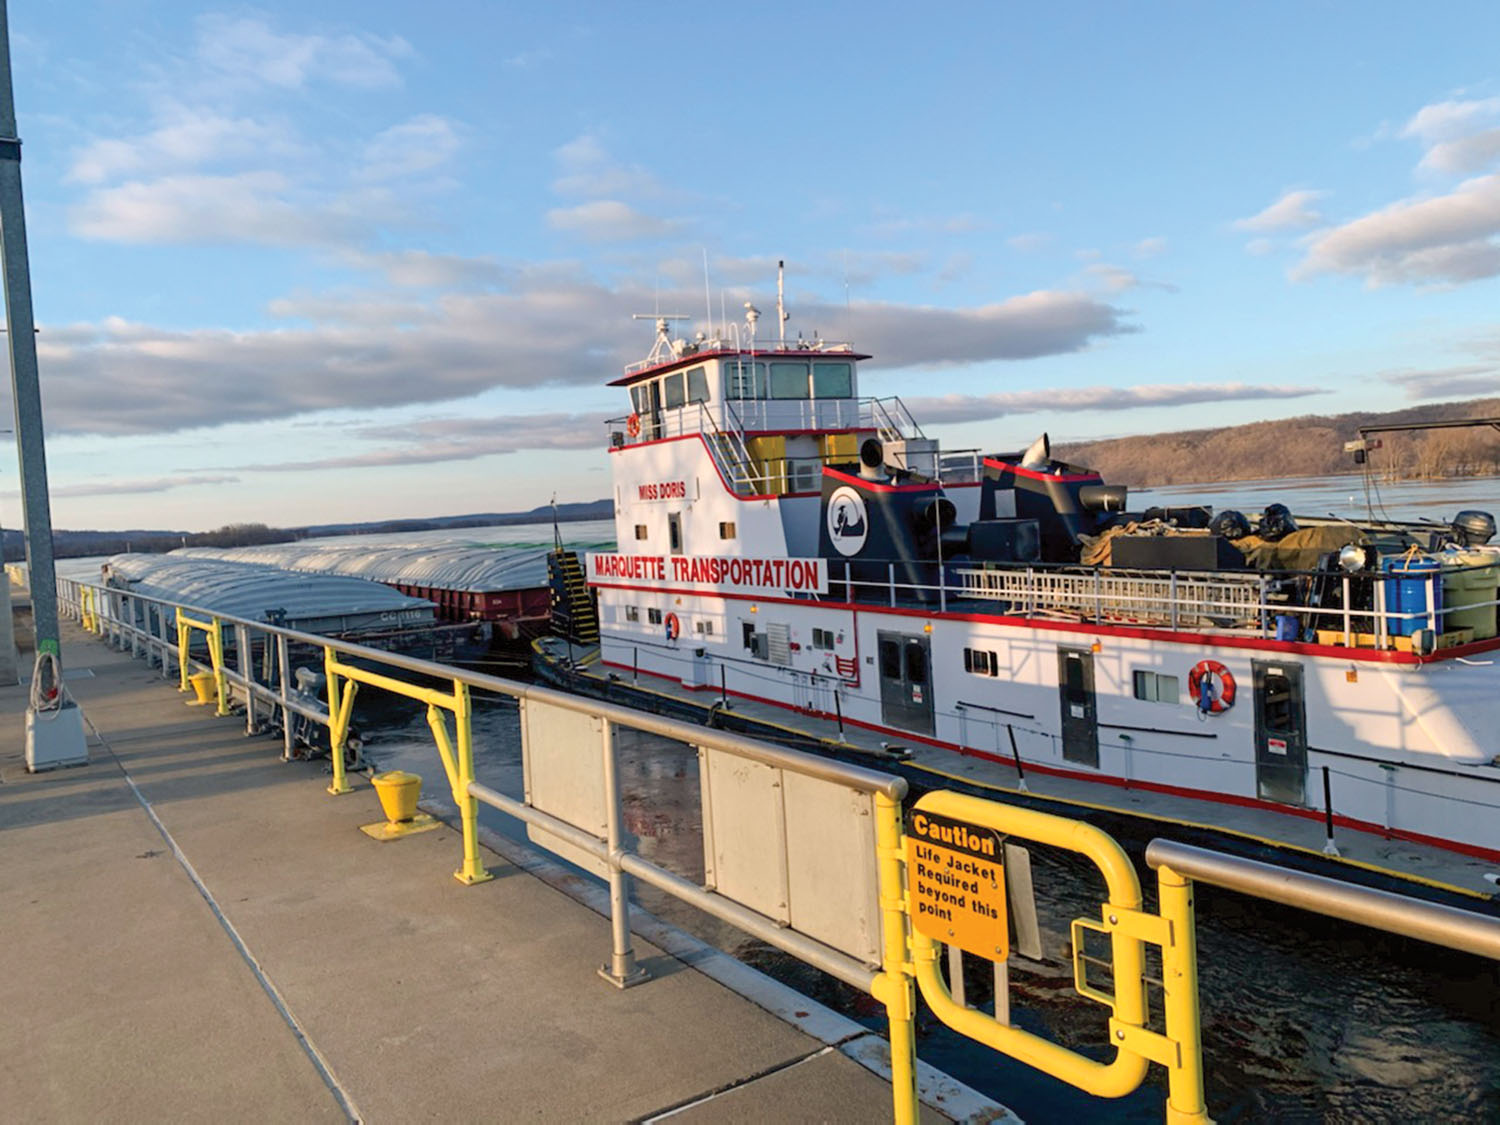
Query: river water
[{"x": 1304, "y": 1019}]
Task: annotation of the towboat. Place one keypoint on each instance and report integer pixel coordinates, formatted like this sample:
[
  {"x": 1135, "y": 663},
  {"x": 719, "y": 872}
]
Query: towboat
[{"x": 781, "y": 538}]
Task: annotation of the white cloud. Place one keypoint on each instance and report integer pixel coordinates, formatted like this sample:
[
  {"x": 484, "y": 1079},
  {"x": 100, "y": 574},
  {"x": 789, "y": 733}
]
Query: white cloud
[
  {"x": 422, "y": 269},
  {"x": 1435, "y": 239},
  {"x": 1446, "y": 121},
  {"x": 186, "y": 139},
  {"x": 1030, "y": 242},
  {"x": 256, "y": 207},
  {"x": 458, "y": 439},
  {"x": 1150, "y": 247},
  {"x": 1464, "y": 154},
  {"x": 420, "y": 144},
  {"x": 1259, "y": 247},
  {"x": 586, "y": 169},
  {"x": 609, "y": 220},
  {"x": 248, "y": 50},
  {"x": 548, "y": 329},
  {"x": 116, "y": 487},
  {"x": 982, "y": 408},
  {"x": 1467, "y": 381},
  {"x": 1293, "y": 211},
  {"x": 1024, "y": 327}
]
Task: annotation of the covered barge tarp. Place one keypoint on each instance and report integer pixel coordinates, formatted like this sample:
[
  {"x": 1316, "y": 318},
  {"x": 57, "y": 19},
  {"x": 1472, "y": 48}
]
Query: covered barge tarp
[
  {"x": 314, "y": 603},
  {"x": 506, "y": 584}
]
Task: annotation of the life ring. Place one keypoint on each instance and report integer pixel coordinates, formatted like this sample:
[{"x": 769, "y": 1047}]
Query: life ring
[
  {"x": 633, "y": 425},
  {"x": 1201, "y": 681},
  {"x": 674, "y": 627}
]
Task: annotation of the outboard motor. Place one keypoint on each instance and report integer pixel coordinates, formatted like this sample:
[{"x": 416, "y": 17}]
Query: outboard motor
[
  {"x": 1473, "y": 528},
  {"x": 1066, "y": 501}
]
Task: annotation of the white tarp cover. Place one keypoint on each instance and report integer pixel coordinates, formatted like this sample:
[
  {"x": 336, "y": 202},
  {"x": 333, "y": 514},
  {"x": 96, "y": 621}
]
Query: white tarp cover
[{"x": 254, "y": 592}]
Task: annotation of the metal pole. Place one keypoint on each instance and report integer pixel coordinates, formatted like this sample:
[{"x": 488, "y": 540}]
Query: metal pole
[
  {"x": 1016, "y": 754},
  {"x": 622, "y": 971},
  {"x": 1381, "y": 910},
  {"x": 25, "y": 390},
  {"x": 283, "y": 675},
  {"x": 245, "y": 658},
  {"x": 1329, "y": 847}
]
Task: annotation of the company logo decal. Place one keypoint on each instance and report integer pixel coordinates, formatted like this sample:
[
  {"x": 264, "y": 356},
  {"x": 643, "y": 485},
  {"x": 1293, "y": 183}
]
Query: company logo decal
[{"x": 848, "y": 524}]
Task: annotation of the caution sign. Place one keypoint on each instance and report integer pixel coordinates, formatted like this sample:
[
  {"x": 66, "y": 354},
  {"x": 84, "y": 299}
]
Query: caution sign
[{"x": 956, "y": 882}]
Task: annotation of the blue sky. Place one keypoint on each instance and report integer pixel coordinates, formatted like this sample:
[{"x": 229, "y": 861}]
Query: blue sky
[{"x": 336, "y": 261}]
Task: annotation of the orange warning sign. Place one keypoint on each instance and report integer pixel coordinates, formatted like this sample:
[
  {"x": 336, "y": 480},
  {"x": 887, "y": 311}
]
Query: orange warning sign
[{"x": 956, "y": 884}]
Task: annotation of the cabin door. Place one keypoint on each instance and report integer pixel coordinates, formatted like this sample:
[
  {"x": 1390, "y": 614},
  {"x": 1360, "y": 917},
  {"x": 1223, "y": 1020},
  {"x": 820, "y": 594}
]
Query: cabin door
[
  {"x": 1280, "y": 733},
  {"x": 1080, "y": 711},
  {"x": 905, "y": 681}
]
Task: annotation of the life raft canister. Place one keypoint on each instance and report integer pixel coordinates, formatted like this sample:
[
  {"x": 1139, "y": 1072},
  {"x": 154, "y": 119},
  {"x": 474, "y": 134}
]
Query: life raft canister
[
  {"x": 633, "y": 425},
  {"x": 1203, "y": 679},
  {"x": 674, "y": 627}
]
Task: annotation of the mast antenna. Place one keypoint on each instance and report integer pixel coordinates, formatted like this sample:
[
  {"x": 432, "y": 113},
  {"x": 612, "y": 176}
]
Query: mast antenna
[
  {"x": 781, "y": 316},
  {"x": 708, "y": 300}
]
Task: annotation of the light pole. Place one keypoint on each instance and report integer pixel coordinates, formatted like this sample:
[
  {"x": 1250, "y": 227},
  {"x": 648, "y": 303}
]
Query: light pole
[{"x": 54, "y": 729}]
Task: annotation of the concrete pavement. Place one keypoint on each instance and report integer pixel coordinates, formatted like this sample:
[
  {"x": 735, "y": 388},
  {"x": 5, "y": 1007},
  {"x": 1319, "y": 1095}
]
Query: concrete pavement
[{"x": 192, "y": 929}]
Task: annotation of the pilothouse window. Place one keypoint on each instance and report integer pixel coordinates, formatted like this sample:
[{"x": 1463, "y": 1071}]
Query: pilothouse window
[
  {"x": 833, "y": 380},
  {"x": 745, "y": 379},
  {"x": 788, "y": 380},
  {"x": 697, "y": 385},
  {"x": 671, "y": 388}
]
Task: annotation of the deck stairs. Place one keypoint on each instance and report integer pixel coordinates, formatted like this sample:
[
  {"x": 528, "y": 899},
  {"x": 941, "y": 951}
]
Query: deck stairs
[{"x": 574, "y": 613}]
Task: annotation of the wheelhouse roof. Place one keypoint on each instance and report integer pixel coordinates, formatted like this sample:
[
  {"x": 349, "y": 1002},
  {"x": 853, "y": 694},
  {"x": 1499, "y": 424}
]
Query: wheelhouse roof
[{"x": 697, "y": 357}]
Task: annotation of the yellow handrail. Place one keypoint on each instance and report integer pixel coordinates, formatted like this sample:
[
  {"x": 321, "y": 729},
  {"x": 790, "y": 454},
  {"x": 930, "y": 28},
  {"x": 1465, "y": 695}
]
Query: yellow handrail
[
  {"x": 215, "y": 632},
  {"x": 457, "y": 755}
]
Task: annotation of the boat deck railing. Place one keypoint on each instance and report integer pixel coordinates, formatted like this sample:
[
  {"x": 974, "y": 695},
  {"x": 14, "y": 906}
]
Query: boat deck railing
[{"x": 1285, "y": 604}]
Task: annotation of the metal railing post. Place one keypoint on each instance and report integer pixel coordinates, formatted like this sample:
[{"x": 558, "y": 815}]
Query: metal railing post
[
  {"x": 245, "y": 658},
  {"x": 284, "y": 668},
  {"x": 473, "y": 870},
  {"x": 893, "y": 987},
  {"x": 1179, "y": 972},
  {"x": 622, "y": 971}
]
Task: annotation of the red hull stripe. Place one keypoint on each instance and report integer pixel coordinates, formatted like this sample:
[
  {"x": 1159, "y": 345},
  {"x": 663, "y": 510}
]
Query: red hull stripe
[
  {"x": 876, "y": 486},
  {"x": 1115, "y": 782},
  {"x": 1034, "y": 474}
]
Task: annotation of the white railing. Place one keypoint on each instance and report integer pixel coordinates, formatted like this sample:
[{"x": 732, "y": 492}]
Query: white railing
[{"x": 1249, "y": 602}]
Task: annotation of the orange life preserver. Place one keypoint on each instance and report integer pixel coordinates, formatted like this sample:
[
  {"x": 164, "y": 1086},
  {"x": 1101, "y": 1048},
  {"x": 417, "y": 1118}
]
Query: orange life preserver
[
  {"x": 674, "y": 627},
  {"x": 1201, "y": 687},
  {"x": 633, "y": 425}
]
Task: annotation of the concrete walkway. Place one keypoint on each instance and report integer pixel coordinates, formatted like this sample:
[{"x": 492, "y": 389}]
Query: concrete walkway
[{"x": 191, "y": 929}]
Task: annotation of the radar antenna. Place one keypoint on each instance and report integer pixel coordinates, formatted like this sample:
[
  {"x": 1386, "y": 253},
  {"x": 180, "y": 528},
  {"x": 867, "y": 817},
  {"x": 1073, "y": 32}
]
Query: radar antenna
[{"x": 663, "y": 346}]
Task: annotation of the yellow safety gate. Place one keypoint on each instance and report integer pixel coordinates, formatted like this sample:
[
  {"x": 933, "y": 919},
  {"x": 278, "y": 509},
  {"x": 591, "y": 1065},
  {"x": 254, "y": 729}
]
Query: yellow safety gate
[
  {"x": 1129, "y": 929},
  {"x": 214, "y": 630},
  {"x": 458, "y": 766}
]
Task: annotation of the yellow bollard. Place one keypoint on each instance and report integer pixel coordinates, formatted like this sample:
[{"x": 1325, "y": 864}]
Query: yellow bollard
[
  {"x": 203, "y": 688},
  {"x": 398, "y": 793}
]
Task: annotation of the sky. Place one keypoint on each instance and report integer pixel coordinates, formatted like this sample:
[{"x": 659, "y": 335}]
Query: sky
[{"x": 324, "y": 262}]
